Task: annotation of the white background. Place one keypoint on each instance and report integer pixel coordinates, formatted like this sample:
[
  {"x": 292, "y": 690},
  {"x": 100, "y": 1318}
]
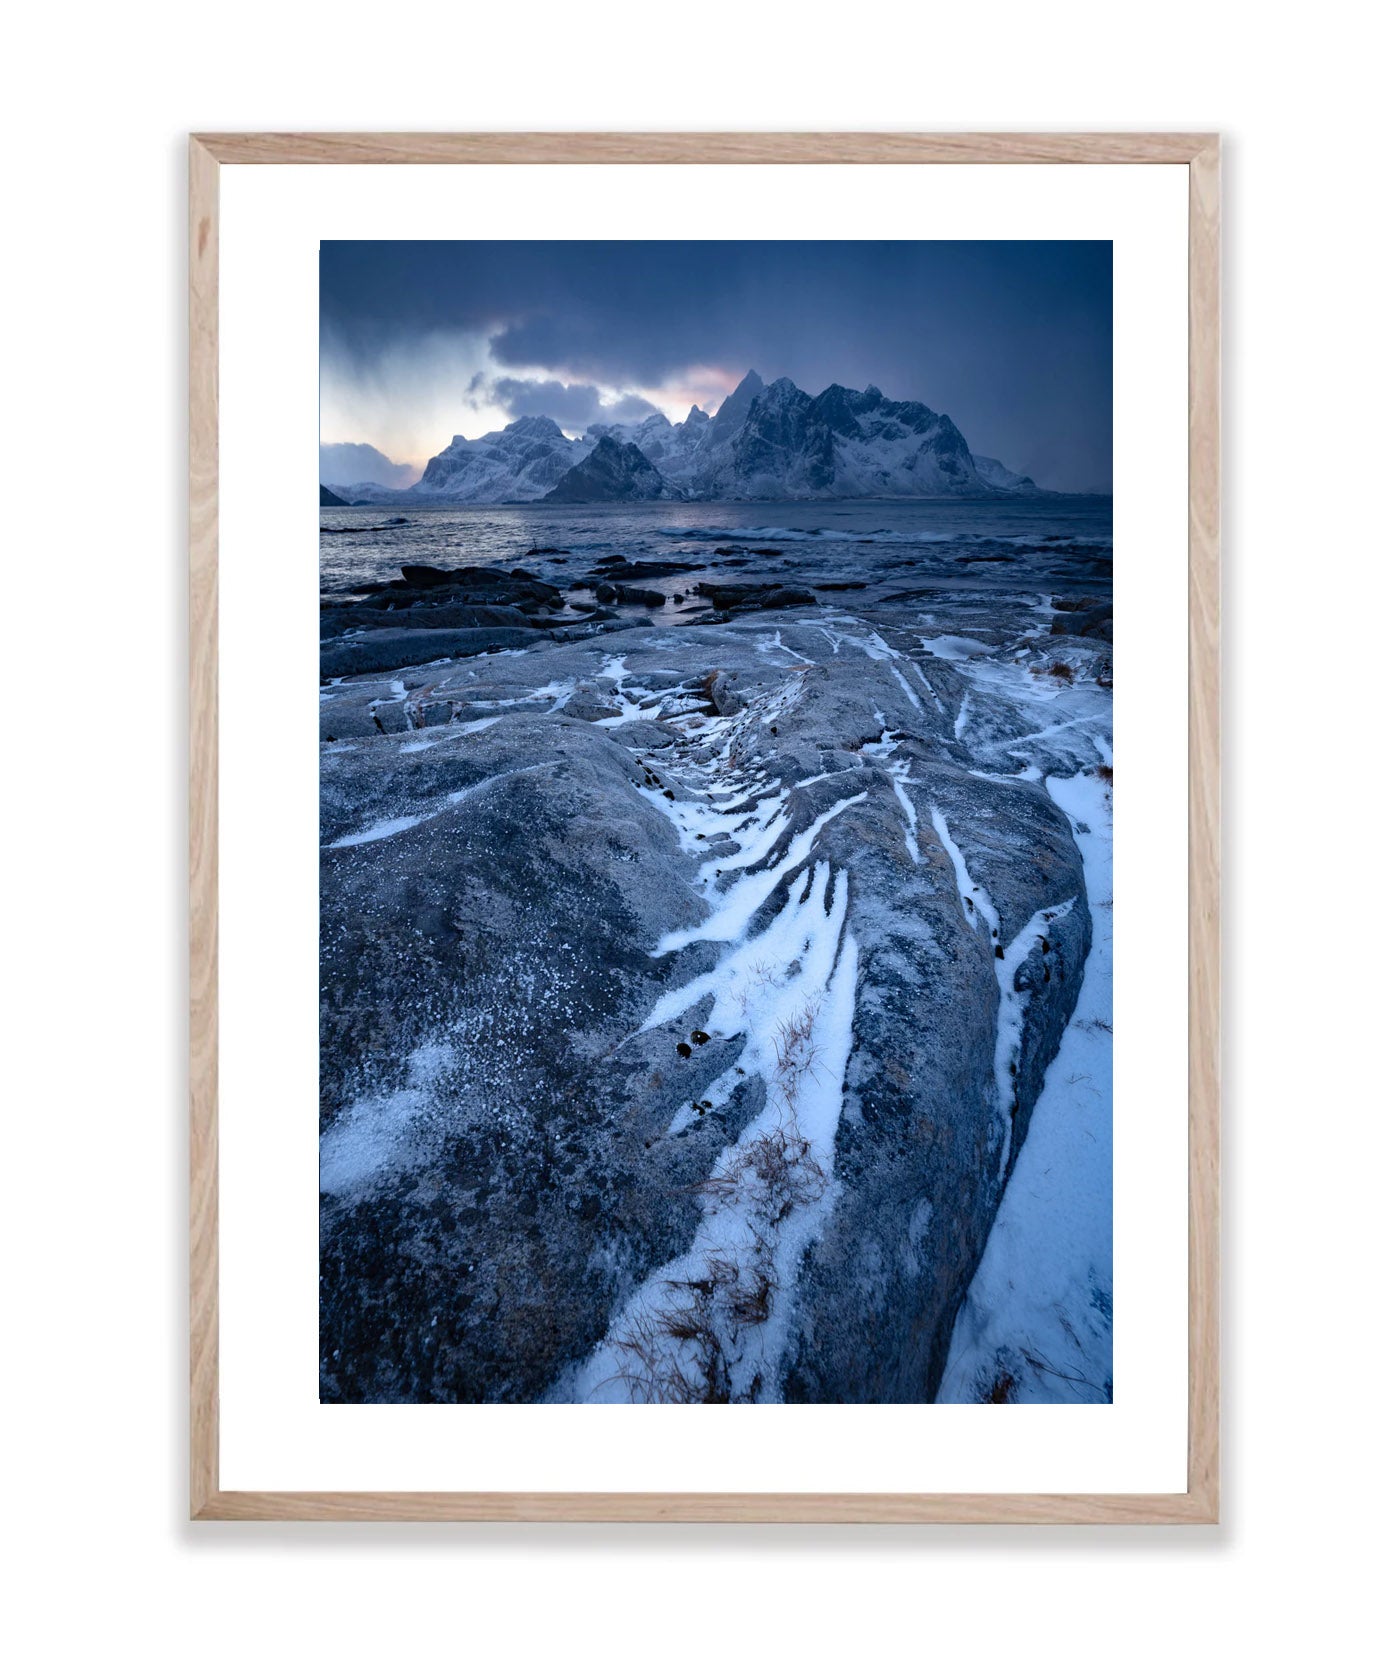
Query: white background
[
  {"x": 104, "y": 1563},
  {"x": 273, "y": 1432}
]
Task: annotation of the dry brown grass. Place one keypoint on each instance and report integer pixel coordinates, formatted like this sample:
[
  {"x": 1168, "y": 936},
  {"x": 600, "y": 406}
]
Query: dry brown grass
[
  {"x": 795, "y": 1054},
  {"x": 1002, "y": 1388},
  {"x": 683, "y": 1351},
  {"x": 772, "y": 1175},
  {"x": 753, "y": 1304},
  {"x": 670, "y": 1357}
]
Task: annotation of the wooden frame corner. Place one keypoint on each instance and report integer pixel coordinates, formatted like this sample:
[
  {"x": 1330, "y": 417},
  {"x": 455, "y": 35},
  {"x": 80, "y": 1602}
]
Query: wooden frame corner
[{"x": 1200, "y": 152}]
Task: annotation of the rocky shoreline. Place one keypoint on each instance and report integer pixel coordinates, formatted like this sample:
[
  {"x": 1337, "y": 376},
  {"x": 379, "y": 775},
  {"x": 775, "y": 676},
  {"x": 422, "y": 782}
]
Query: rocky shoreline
[{"x": 695, "y": 946}]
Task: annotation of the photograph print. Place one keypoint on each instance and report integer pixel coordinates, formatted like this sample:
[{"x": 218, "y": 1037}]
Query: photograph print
[{"x": 716, "y": 805}]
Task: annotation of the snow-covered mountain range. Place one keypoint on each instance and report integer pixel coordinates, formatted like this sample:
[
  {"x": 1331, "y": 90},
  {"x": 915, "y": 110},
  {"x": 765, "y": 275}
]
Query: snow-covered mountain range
[{"x": 764, "y": 443}]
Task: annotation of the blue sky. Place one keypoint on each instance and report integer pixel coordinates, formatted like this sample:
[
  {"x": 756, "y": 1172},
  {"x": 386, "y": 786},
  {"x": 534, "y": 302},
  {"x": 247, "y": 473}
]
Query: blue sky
[{"x": 423, "y": 340}]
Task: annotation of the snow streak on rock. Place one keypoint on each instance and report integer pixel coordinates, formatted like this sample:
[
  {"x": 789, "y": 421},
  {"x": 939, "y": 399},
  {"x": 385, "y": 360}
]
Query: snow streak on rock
[
  {"x": 899, "y": 776},
  {"x": 975, "y": 901},
  {"x": 1011, "y": 1017},
  {"x": 379, "y": 1130},
  {"x": 1011, "y": 1013},
  {"x": 878, "y": 648},
  {"x": 388, "y": 826},
  {"x": 735, "y": 907},
  {"x": 713, "y": 1324},
  {"x": 422, "y": 740}
]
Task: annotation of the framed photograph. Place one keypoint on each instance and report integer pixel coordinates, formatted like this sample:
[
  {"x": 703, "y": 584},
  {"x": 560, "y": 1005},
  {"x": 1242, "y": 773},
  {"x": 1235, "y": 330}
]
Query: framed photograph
[{"x": 661, "y": 1044}]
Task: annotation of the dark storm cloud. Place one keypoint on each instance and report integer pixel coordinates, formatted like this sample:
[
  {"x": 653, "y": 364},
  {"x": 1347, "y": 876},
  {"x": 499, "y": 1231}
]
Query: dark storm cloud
[
  {"x": 573, "y": 407},
  {"x": 1013, "y": 340}
]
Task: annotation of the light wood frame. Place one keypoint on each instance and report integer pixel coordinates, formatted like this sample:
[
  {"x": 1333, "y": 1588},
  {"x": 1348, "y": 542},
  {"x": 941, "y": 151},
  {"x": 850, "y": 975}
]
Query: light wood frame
[{"x": 1200, "y": 153}]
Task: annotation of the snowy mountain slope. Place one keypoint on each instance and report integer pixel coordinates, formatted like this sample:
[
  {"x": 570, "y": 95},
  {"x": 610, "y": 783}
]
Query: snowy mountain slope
[
  {"x": 992, "y": 472},
  {"x": 844, "y": 443},
  {"x": 519, "y": 464}
]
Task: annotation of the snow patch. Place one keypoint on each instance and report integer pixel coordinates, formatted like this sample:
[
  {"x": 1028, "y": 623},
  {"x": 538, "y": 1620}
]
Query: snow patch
[{"x": 1038, "y": 1316}]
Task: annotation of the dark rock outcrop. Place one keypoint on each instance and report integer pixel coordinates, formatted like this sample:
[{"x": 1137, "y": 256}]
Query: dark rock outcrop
[
  {"x": 755, "y": 597},
  {"x": 1091, "y": 616}
]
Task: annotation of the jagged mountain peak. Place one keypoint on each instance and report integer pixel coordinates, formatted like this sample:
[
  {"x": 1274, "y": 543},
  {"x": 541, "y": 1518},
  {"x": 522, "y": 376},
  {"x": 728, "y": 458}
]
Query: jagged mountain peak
[
  {"x": 733, "y": 411},
  {"x": 614, "y": 471},
  {"x": 534, "y": 425}
]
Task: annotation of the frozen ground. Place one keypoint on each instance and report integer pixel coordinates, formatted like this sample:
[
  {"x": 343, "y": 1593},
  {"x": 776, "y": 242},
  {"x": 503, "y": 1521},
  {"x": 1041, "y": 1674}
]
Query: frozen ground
[{"x": 717, "y": 1003}]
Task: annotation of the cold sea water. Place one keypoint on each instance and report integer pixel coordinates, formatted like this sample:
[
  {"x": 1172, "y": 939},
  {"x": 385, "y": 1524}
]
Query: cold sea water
[{"x": 1056, "y": 539}]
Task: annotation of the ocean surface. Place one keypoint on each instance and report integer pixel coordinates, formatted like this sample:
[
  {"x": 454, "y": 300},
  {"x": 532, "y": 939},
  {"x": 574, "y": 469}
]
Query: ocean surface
[{"x": 1043, "y": 537}]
